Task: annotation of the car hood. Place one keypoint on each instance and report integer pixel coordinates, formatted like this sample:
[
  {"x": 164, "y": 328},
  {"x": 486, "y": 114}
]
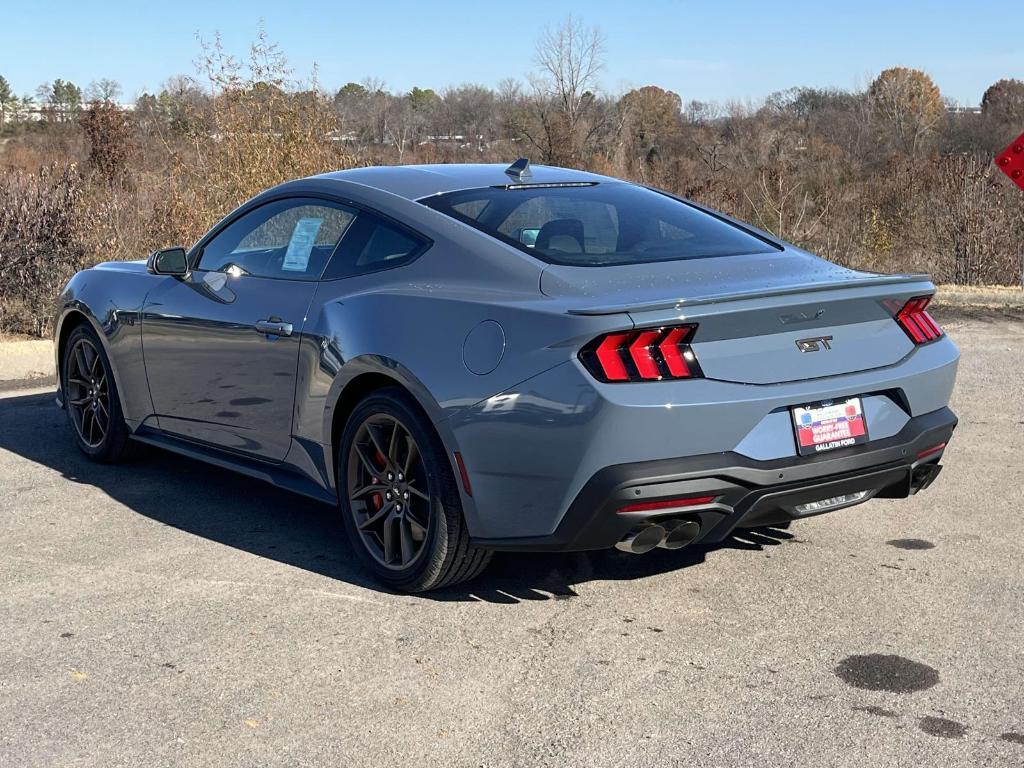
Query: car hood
[{"x": 122, "y": 266}]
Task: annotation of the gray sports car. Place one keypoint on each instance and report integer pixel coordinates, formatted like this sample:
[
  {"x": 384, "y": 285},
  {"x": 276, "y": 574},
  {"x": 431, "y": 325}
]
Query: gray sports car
[{"x": 470, "y": 358}]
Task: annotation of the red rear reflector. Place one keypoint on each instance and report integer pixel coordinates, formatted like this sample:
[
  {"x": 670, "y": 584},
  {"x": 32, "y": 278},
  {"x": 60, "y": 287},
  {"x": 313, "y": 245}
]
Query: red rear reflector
[
  {"x": 649, "y": 354},
  {"x": 463, "y": 473},
  {"x": 930, "y": 451},
  {"x": 651, "y": 506},
  {"x": 916, "y": 322}
]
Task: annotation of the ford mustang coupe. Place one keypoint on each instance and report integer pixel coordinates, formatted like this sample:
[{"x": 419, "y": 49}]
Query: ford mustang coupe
[{"x": 470, "y": 358}]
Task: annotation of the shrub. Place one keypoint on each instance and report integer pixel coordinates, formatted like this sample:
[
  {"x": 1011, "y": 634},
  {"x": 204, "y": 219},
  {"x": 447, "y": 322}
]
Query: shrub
[
  {"x": 109, "y": 133},
  {"x": 41, "y": 223}
]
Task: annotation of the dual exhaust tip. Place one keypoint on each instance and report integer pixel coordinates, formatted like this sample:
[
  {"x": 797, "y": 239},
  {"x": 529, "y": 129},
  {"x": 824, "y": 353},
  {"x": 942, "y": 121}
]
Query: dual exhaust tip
[{"x": 667, "y": 534}]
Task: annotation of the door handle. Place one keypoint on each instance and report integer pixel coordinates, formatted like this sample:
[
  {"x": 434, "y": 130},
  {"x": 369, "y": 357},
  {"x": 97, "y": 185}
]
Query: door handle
[{"x": 274, "y": 327}]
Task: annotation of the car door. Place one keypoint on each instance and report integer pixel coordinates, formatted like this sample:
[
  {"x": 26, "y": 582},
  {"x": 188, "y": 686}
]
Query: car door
[{"x": 221, "y": 344}]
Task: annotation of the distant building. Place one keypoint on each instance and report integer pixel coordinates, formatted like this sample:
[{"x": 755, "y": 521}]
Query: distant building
[
  {"x": 38, "y": 112},
  {"x": 960, "y": 109}
]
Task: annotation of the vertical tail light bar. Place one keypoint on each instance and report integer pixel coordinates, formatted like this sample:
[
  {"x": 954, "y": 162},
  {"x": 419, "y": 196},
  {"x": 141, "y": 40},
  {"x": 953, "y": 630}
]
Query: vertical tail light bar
[
  {"x": 916, "y": 322},
  {"x": 648, "y": 354},
  {"x": 673, "y": 351},
  {"x": 641, "y": 352},
  {"x": 608, "y": 354}
]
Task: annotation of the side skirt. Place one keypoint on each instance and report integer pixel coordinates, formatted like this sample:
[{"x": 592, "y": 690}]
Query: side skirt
[{"x": 275, "y": 474}]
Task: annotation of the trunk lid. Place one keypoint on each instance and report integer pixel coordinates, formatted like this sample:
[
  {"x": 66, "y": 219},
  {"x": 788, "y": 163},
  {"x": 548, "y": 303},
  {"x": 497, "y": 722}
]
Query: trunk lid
[{"x": 762, "y": 319}]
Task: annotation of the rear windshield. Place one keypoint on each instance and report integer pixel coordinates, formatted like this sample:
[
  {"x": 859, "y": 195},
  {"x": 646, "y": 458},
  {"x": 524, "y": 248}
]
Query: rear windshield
[{"x": 593, "y": 225}]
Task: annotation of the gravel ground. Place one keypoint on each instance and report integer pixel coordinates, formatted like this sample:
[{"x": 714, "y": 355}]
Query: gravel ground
[{"x": 167, "y": 613}]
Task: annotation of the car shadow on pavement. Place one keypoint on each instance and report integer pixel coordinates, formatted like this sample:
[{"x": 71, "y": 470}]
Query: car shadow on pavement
[{"x": 243, "y": 513}]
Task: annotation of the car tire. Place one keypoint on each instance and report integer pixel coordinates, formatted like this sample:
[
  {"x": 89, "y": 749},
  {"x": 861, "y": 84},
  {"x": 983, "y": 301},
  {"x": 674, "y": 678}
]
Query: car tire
[
  {"x": 399, "y": 503},
  {"x": 91, "y": 398}
]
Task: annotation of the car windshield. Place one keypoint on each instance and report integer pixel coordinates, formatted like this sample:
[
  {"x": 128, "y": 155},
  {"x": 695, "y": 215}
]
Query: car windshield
[{"x": 597, "y": 224}]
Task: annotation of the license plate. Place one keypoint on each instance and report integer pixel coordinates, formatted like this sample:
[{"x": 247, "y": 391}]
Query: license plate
[{"x": 829, "y": 425}]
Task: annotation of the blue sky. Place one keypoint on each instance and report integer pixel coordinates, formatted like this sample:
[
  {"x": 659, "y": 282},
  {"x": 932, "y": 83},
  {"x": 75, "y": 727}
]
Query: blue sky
[{"x": 708, "y": 51}]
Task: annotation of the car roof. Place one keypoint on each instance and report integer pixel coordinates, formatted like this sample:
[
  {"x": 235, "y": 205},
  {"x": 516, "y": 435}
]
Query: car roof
[{"x": 418, "y": 181}]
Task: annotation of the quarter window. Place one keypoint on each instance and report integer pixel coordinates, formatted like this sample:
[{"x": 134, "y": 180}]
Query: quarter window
[{"x": 372, "y": 244}]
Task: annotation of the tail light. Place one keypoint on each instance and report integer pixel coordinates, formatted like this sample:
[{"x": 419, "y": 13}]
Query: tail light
[
  {"x": 916, "y": 322},
  {"x": 649, "y": 354}
]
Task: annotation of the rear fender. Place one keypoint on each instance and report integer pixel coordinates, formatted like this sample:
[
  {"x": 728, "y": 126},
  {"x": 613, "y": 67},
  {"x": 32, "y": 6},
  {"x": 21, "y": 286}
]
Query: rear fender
[
  {"x": 381, "y": 366},
  {"x": 386, "y": 368}
]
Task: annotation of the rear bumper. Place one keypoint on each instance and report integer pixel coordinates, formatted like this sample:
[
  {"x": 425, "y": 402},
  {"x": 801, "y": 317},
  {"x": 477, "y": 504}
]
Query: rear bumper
[{"x": 746, "y": 492}]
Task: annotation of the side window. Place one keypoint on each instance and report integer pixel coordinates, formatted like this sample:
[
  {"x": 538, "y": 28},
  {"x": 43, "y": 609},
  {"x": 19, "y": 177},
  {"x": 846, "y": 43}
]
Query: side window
[
  {"x": 372, "y": 244},
  {"x": 288, "y": 239}
]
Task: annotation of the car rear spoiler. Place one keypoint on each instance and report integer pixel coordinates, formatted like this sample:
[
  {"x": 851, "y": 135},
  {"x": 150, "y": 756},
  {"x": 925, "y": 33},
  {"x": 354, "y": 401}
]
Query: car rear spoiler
[{"x": 831, "y": 285}]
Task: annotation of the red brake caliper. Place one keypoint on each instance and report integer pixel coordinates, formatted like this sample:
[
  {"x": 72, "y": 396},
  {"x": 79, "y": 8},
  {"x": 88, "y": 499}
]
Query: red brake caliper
[{"x": 376, "y": 499}]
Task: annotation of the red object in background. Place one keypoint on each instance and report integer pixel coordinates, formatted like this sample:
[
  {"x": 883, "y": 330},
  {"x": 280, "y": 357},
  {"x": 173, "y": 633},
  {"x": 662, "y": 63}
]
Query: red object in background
[{"x": 1011, "y": 161}]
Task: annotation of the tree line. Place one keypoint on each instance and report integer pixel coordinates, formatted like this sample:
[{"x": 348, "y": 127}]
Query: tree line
[{"x": 888, "y": 178}]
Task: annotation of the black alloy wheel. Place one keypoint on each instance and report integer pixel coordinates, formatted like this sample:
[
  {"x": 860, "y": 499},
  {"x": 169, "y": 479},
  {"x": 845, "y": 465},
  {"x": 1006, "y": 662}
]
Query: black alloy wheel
[
  {"x": 91, "y": 398},
  {"x": 388, "y": 491},
  {"x": 88, "y": 393},
  {"x": 400, "y": 505}
]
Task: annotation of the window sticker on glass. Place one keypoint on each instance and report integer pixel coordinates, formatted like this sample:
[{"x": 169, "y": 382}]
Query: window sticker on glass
[{"x": 296, "y": 258}]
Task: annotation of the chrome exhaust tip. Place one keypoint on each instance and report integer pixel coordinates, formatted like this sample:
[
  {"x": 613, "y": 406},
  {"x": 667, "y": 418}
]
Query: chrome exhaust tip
[
  {"x": 641, "y": 541},
  {"x": 679, "y": 533}
]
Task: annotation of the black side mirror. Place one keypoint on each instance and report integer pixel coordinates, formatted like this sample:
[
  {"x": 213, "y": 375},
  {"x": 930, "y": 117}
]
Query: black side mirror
[{"x": 169, "y": 261}]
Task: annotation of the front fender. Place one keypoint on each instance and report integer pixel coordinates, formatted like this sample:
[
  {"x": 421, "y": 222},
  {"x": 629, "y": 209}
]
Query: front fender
[{"x": 110, "y": 303}]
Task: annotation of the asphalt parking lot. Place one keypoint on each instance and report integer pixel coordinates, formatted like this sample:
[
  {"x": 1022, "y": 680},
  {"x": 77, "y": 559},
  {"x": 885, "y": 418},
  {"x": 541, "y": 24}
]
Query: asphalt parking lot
[{"x": 168, "y": 613}]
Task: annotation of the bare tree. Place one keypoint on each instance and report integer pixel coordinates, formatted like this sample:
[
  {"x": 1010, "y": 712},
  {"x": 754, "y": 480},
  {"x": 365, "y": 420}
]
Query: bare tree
[
  {"x": 379, "y": 108},
  {"x": 404, "y": 124},
  {"x": 784, "y": 207},
  {"x": 702, "y": 111},
  {"x": 104, "y": 89},
  {"x": 510, "y": 91},
  {"x": 569, "y": 58},
  {"x": 469, "y": 111}
]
